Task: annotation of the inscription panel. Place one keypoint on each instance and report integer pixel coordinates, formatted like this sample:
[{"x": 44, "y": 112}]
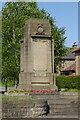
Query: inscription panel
[{"x": 40, "y": 55}]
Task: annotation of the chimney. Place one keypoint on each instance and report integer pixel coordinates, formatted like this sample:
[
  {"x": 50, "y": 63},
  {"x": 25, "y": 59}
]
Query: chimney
[{"x": 74, "y": 46}]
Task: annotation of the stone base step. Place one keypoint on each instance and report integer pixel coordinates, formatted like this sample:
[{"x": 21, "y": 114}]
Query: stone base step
[{"x": 58, "y": 106}]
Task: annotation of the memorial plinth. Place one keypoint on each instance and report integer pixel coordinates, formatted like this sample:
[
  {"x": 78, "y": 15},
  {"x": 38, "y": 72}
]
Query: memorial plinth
[{"x": 36, "y": 56}]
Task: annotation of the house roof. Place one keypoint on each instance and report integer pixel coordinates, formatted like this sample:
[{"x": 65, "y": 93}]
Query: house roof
[
  {"x": 77, "y": 50},
  {"x": 69, "y": 56},
  {"x": 70, "y": 68}
]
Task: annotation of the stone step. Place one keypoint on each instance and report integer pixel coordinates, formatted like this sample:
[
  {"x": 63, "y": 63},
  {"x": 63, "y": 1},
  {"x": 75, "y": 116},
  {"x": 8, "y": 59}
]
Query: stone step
[
  {"x": 64, "y": 105},
  {"x": 58, "y": 106},
  {"x": 63, "y": 101},
  {"x": 61, "y": 106},
  {"x": 64, "y": 109},
  {"x": 60, "y": 114},
  {"x": 54, "y": 97},
  {"x": 44, "y": 93},
  {"x": 46, "y": 98},
  {"x": 59, "y": 102},
  {"x": 64, "y": 112}
]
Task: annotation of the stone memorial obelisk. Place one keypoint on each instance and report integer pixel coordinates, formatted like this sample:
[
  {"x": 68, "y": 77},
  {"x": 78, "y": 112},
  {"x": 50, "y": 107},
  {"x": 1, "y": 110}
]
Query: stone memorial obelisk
[{"x": 36, "y": 67}]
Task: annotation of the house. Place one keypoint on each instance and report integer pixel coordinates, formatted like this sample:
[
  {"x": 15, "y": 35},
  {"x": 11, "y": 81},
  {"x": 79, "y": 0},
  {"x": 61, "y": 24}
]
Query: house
[
  {"x": 68, "y": 63},
  {"x": 77, "y": 60}
]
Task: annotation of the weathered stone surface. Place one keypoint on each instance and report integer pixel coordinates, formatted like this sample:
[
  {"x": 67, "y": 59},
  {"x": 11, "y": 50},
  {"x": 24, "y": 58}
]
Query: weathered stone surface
[
  {"x": 20, "y": 110},
  {"x": 36, "y": 105},
  {"x": 36, "y": 56},
  {"x": 41, "y": 108}
]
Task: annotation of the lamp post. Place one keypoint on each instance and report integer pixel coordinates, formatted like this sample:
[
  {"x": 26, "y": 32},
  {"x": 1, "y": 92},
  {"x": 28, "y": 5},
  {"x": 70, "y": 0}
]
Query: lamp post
[
  {"x": 6, "y": 86},
  {"x": 54, "y": 74}
]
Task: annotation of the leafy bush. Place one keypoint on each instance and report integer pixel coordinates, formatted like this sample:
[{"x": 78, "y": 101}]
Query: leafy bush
[
  {"x": 10, "y": 81},
  {"x": 17, "y": 91},
  {"x": 73, "y": 90},
  {"x": 70, "y": 82}
]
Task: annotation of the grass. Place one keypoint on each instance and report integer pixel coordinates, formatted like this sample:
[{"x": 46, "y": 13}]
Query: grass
[
  {"x": 0, "y": 97},
  {"x": 72, "y": 90},
  {"x": 17, "y": 91},
  {"x": 21, "y": 100},
  {"x": 0, "y": 84},
  {"x": 15, "y": 99}
]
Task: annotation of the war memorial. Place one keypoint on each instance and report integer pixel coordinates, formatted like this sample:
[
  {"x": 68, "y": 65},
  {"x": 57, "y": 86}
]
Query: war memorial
[
  {"x": 37, "y": 74},
  {"x": 36, "y": 56}
]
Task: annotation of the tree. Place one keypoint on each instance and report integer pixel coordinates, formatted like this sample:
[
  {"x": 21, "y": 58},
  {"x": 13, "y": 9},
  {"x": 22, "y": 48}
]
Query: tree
[
  {"x": 0, "y": 43},
  {"x": 14, "y": 16}
]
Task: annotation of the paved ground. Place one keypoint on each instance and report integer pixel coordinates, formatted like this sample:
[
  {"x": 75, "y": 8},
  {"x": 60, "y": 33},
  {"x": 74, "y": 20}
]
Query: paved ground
[{"x": 3, "y": 88}]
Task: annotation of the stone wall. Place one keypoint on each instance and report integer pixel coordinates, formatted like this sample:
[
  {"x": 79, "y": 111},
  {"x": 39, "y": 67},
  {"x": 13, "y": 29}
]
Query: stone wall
[
  {"x": 77, "y": 63},
  {"x": 39, "y": 105},
  {"x": 24, "y": 108}
]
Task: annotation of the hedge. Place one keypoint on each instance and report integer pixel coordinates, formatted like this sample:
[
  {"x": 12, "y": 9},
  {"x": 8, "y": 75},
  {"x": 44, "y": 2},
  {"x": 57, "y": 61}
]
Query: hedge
[{"x": 70, "y": 82}]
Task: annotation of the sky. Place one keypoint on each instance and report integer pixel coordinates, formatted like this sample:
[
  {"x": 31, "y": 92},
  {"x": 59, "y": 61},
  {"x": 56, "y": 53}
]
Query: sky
[
  {"x": 79, "y": 24},
  {"x": 66, "y": 15}
]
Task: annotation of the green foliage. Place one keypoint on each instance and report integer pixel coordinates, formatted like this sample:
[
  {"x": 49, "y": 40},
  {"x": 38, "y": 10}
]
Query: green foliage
[
  {"x": 70, "y": 82},
  {"x": 10, "y": 81},
  {"x": 17, "y": 91},
  {"x": 73, "y": 90},
  {"x": 59, "y": 48},
  {"x": 14, "y": 16},
  {"x": 0, "y": 56},
  {"x": 0, "y": 44}
]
